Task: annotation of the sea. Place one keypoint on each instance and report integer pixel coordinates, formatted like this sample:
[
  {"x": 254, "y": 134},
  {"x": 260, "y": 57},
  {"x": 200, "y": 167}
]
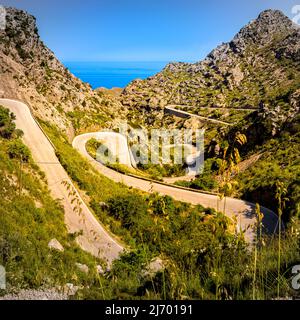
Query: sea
[{"x": 113, "y": 74}]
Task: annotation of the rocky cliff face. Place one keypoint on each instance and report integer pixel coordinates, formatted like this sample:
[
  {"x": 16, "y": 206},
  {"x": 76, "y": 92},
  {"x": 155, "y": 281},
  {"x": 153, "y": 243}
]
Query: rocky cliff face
[
  {"x": 261, "y": 63},
  {"x": 29, "y": 71}
]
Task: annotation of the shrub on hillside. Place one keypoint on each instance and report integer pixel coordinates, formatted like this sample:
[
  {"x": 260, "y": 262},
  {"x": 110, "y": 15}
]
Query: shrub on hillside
[
  {"x": 7, "y": 126},
  {"x": 127, "y": 208},
  {"x": 17, "y": 150}
]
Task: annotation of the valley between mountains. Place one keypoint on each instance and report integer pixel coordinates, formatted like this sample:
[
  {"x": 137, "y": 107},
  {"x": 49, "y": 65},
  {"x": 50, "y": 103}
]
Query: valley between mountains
[{"x": 68, "y": 221}]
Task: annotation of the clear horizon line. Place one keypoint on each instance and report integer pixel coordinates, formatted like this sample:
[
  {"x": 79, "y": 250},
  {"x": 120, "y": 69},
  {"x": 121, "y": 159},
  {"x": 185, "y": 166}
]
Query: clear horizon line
[{"x": 163, "y": 61}]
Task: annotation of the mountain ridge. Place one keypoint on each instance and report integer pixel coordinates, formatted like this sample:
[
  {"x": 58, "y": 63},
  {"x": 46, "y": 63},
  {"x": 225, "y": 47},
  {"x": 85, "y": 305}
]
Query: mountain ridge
[
  {"x": 30, "y": 72},
  {"x": 262, "y": 55}
]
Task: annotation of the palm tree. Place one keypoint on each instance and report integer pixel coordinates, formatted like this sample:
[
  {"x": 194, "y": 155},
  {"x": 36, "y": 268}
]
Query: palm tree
[{"x": 229, "y": 165}]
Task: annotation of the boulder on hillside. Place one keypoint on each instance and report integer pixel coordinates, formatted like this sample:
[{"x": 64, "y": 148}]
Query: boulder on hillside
[
  {"x": 55, "y": 244},
  {"x": 82, "y": 267}
]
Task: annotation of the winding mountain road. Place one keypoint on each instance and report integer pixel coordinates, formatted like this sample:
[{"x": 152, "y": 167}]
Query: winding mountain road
[
  {"x": 245, "y": 211},
  {"x": 183, "y": 114},
  {"x": 175, "y": 106},
  {"x": 95, "y": 239}
]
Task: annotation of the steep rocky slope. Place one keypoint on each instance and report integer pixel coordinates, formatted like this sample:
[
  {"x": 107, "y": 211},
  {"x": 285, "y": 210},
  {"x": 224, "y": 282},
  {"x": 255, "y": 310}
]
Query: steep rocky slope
[
  {"x": 260, "y": 69},
  {"x": 29, "y": 71},
  {"x": 261, "y": 63}
]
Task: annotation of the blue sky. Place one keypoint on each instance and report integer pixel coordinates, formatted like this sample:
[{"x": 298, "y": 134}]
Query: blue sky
[{"x": 141, "y": 30}]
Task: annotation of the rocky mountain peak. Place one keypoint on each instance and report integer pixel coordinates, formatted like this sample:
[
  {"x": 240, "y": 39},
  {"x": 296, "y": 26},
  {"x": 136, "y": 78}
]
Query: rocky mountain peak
[
  {"x": 21, "y": 41},
  {"x": 29, "y": 71},
  {"x": 273, "y": 18},
  {"x": 21, "y": 22},
  {"x": 260, "y": 63},
  {"x": 263, "y": 30}
]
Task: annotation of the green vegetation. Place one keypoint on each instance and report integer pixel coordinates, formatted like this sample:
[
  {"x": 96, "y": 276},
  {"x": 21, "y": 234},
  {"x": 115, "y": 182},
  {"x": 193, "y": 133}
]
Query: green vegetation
[
  {"x": 151, "y": 171},
  {"x": 7, "y": 126},
  {"x": 204, "y": 257},
  {"x": 280, "y": 161},
  {"x": 93, "y": 113},
  {"x": 203, "y": 252},
  {"x": 17, "y": 150},
  {"x": 81, "y": 119},
  {"x": 158, "y": 172},
  {"x": 29, "y": 219},
  {"x": 92, "y": 147},
  {"x": 205, "y": 181}
]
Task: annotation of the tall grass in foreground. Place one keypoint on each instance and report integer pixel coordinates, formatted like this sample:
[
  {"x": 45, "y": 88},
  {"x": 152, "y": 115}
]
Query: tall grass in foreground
[
  {"x": 257, "y": 244},
  {"x": 281, "y": 192}
]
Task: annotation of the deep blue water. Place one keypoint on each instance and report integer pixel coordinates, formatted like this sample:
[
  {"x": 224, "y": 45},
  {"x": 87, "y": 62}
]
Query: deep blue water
[{"x": 113, "y": 74}]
